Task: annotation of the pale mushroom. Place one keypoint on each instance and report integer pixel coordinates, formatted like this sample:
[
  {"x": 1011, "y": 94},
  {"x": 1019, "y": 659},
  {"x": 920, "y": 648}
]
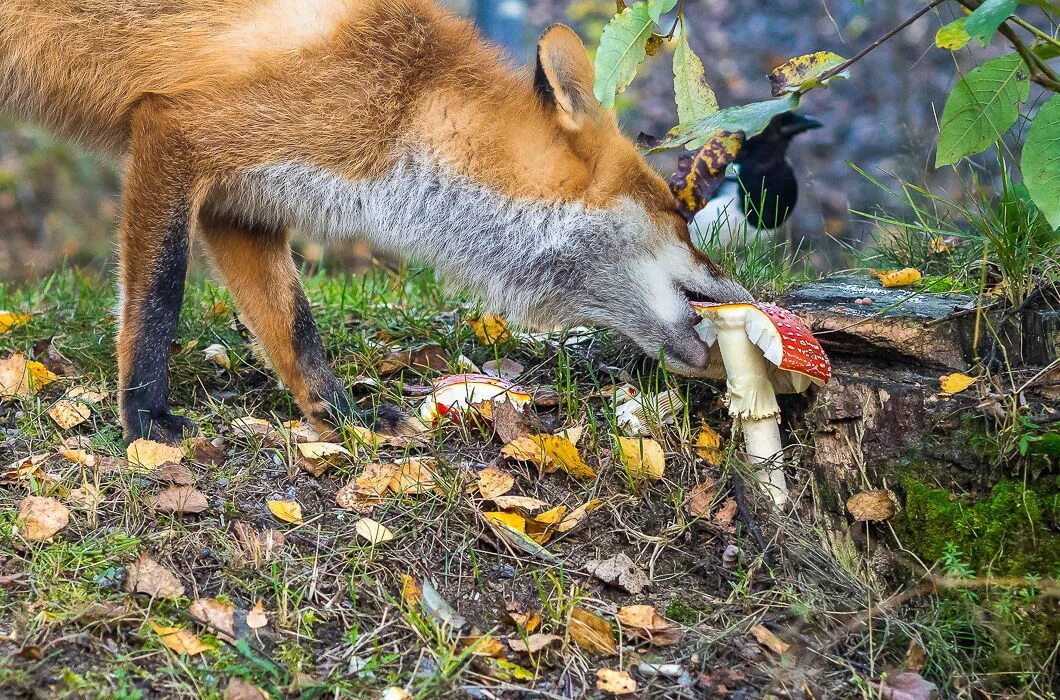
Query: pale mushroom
[
  {"x": 765, "y": 350},
  {"x": 459, "y": 393}
]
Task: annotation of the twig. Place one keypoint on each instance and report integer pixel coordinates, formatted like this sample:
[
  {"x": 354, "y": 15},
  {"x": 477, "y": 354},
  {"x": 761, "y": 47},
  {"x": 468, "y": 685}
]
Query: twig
[
  {"x": 1041, "y": 73},
  {"x": 740, "y": 496},
  {"x": 879, "y": 42}
]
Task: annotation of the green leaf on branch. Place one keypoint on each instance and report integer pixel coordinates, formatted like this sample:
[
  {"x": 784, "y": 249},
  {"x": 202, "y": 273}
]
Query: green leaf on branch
[
  {"x": 658, "y": 8},
  {"x": 695, "y": 99},
  {"x": 983, "y": 23},
  {"x": 623, "y": 47},
  {"x": 751, "y": 119},
  {"x": 981, "y": 108},
  {"x": 804, "y": 73},
  {"x": 953, "y": 36},
  {"x": 1041, "y": 160}
]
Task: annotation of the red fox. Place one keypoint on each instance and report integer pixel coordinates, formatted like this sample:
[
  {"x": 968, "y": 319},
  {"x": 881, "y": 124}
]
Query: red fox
[{"x": 240, "y": 119}]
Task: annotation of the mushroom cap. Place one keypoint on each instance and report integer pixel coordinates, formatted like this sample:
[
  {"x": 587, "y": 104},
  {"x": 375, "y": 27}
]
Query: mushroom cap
[
  {"x": 462, "y": 391},
  {"x": 783, "y": 339}
]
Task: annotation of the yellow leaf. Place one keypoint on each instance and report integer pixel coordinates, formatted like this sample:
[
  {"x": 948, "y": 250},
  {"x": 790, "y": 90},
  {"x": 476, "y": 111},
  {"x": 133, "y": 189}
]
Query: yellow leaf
[
  {"x": 375, "y": 533},
  {"x": 898, "y": 278},
  {"x": 769, "y": 640},
  {"x": 493, "y": 481},
  {"x": 287, "y": 511},
  {"x": 484, "y": 646},
  {"x": 805, "y": 72},
  {"x": 551, "y": 517},
  {"x": 577, "y": 515},
  {"x": 645, "y": 621},
  {"x": 9, "y": 320},
  {"x": 509, "y": 671},
  {"x": 490, "y": 329},
  {"x": 643, "y": 458},
  {"x": 411, "y": 590},
  {"x": 414, "y": 477},
  {"x": 953, "y": 36},
  {"x": 939, "y": 246},
  {"x": 180, "y": 640},
  {"x": 217, "y": 354},
  {"x": 218, "y": 616},
  {"x": 592, "y": 632},
  {"x": 20, "y": 376},
  {"x": 525, "y": 622},
  {"x": 512, "y": 520},
  {"x": 615, "y": 682},
  {"x": 955, "y": 383},
  {"x": 708, "y": 444},
  {"x": 317, "y": 457},
  {"x": 69, "y": 414},
  {"x": 549, "y": 452},
  {"x": 149, "y": 455}
]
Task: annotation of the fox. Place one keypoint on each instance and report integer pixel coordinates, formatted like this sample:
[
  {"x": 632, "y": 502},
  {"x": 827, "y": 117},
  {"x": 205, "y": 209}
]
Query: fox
[{"x": 237, "y": 121}]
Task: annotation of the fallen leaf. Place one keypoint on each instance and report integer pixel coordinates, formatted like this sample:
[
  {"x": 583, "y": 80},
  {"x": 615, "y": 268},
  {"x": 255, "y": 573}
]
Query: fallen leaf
[
  {"x": 218, "y": 616},
  {"x": 147, "y": 576},
  {"x": 505, "y": 368},
  {"x": 535, "y": 643},
  {"x": 180, "y": 500},
  {"x": 619, "y": 571},
  {"x": 439, "y": 608},
  {"x": 375, "y": 533},
  {"x": 576, "y": 516},
  {"x": 239, "y": 689},
  {"x": 700, "y": 499},
  {"x": 300, "y": 432},
  {"x": 207, "y": 453},
  {"x": 592, "y": 632},
  {"x": 508, "y": 422},
  {"x": 414, "y": 477},
  {"x": 643, "y": 458},
  {"x": 484, "y": 645},
  {"x": 257, "y": 546},
  {"x": 69, "y": 414},
  {"x": 510, "y": 528},
  {"x": 257, "y": 617},
  {"x": 425, "y": 359},
  {"x": 180, "y": 640},
  {"x": 318, "y": 457},
  {"x": 872, "y": 506},
  {"x": 287, "y": 511},
  {"x": 525, "y": 622},
  {"x": 217, "y": 354},
  {"x": 770, "y": 641},
  {"x": 20, "y": 376},
  {"x": 726, "y": 514},
  {"x": 494, "y": 481},
  {"x": 87, "y": 497},
  {"x": 898, "y": 278},
  {"x": 9, "y": 320},
  {"x": 906, "y": 686},
  {"x": 708, "y": 444},
  {"x": 78, "y": 455},
  {"x": 645, "y": 621},
  {"x": 549, "y": 453},
  {"x": 523, "y": 502},
  {"x": 955, "y": 383},
  {"x": 367, "y": 490},
  {"x": 507, "y": 671},
  {"x": 40, "y": 518},
  {"x": 24, "y": 469},
  {"x": 149, "y": 455},
  {"x": 490, "y": 329},
  {"x": 174, "y": 473},
  {"x": 512, "y": 520},
  {"x": 411, "y": 590},
  {"x": 250, "y": 426},
  {"x": 615, "y": 682}
]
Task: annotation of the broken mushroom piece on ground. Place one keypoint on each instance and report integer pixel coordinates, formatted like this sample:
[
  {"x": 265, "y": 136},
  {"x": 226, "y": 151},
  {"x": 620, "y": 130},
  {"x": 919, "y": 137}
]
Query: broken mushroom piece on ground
[
  {"x": 766, "y": 350},
  {"x": 459, "y": 393}
]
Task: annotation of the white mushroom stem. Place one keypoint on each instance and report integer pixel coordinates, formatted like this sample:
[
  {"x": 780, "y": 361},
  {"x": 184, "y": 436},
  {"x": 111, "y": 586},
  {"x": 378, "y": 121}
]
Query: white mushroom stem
[{"x": 752, "y": 401}]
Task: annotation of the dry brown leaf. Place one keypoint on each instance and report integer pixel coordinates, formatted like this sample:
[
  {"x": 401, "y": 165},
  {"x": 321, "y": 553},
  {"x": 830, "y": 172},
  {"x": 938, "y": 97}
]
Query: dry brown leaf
[
  {"x": 24, "y": 469},
  {"x": 218, "y": 616},
  {"x": 20, "y": 376},
  {"x": 206, "y": 452},
  {"x": 218, "y": 355},
  {"x": 367, "y": 490},
  {"x": 149, "y": 455},
  {"x": 180, "y": 640},
  {"x": 592, "y": 632},
  {"x": 174, "y": 473},
  {"x": 301, "y": 432},
  {"x": 425, "y": 359},
  {"x": 286, "y": 510},
  {"x": 318, "y": 457},
  {"x": 708, "y": 444},
  {"x": 87, "y": 497},
  {"x": 872, "y": 506},
  {"x": 615, "y": 682},
  {"x": 375, "y": 533},
  {"x": 619, "y": 571},
  {"x": 549, "y": 453},
  {"x": 249, "y": 426},
  {"x": 770, "y": 641},
  {"x": 645, "y": 621},
  {"x": 69, "y": 414},
  {"x": 40, "y": 518},
  {"x": 257, "y": 617},
  {"x": 525, "y": 622},
  {"x": 414, "y": 477},
  {"x": 505, "y": 369},
  {"x": 700, "y": 499},
  {"x": 643, "y": 458},
  {"x": 577, "y": 515},
  {"x": 508, "y": 422},
  {"x": 411, "y": 590},
  {"x": 523, "y": 502},
  {"x": 490, "y": 329},
  {"x": 955, "y": 383},
  {"x": 78, "y": 455},
  {"x": 180, "y": 500},
  {"x": 726, "y": 514},
  {"x": 147, "y": 576},
  {"x": 493, "y": 481},
  {"x": 535, "y": 643},
  {"x": 239, "y": 689},
  {"x": 906, "y": 686}
]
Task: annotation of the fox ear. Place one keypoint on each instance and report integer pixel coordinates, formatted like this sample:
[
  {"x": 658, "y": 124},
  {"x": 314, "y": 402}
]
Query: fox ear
[{"x": 565, "y": 77}]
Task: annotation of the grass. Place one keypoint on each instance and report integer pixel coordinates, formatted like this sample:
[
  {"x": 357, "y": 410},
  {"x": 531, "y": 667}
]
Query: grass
[{"x": 339, "y": 625}]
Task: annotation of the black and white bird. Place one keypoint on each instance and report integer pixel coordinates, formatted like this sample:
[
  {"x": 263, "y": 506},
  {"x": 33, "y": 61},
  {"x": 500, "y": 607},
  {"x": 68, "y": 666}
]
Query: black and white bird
[{"x": 760, "y": 193}]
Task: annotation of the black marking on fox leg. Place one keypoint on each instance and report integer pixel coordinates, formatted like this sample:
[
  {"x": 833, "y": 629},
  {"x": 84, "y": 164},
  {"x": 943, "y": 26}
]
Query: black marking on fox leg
[
  {"x": 145, "y": 403},
  {"x": 325, "y": 390}
]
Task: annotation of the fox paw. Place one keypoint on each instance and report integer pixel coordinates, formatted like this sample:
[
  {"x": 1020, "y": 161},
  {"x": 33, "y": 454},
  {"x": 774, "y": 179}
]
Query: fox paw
[{"x": 167, "y": 428}]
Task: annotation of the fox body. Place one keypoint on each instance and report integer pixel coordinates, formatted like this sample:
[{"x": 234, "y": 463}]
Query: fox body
[{"x": 391, "y": 119}]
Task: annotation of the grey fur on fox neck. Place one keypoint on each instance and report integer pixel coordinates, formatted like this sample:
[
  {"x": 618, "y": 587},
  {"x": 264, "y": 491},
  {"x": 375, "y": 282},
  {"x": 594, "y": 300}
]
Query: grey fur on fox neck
[{"x": 539, "y": 263}]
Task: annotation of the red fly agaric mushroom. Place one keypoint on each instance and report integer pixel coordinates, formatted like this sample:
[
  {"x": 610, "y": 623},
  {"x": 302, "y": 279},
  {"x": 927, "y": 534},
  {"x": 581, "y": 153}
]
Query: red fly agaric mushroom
[
  {"x": 460, "y": 392},
  {"x": 765, "y": 349}
]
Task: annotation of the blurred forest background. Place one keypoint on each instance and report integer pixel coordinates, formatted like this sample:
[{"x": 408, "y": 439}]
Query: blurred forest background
[{"x": 58, "y": 205}]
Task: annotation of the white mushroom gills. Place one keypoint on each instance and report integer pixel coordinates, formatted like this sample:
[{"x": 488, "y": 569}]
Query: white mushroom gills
[{"x": 765, "y": 349}]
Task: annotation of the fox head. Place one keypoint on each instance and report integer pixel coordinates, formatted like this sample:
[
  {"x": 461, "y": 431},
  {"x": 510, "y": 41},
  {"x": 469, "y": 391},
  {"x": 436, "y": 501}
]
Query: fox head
[{"x": 640, "y": 269}]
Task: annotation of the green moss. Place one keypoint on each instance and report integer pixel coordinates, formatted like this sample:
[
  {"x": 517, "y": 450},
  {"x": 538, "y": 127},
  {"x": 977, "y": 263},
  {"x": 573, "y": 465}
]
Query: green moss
[
  {"x": 1006, "y": 533},
  {"x": 684, "y": 612}
]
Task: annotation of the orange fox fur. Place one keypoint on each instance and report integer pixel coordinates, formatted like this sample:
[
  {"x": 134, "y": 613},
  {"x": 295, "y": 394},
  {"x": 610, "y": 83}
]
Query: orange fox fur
[{"x": 238, "y": 119}]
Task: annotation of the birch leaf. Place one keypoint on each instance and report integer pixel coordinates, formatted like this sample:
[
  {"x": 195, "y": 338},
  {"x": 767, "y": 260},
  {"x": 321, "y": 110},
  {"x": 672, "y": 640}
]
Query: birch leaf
[
  {"x": 623, "y": 47},
  {"x": 287, "y": 511},
  {"x": 695, "y": 99}
]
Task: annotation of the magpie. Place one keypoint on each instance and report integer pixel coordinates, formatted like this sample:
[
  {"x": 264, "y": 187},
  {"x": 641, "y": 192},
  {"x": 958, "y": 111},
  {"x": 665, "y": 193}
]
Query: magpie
[{"x": 761, "y": 190}]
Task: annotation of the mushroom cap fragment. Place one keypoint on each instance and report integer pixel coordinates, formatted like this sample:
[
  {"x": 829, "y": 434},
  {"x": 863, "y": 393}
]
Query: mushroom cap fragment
[
  {"x": 789, "y": 346},
  {"x": 461, "y": 392}
]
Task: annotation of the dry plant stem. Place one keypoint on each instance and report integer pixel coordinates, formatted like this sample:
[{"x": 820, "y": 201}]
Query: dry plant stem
[{"x": 740, "y": 496}]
